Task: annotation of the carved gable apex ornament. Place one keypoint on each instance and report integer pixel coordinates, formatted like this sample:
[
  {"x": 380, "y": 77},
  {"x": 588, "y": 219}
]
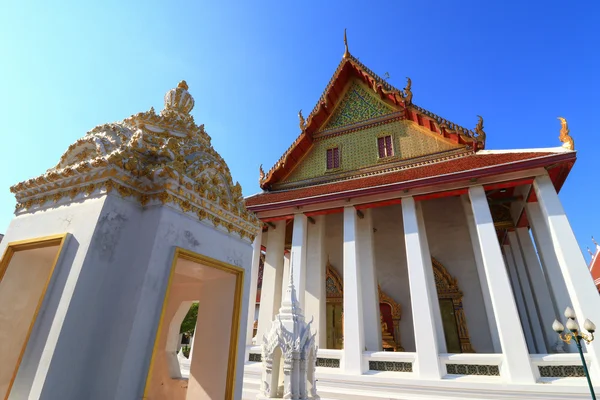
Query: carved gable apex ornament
[{"x": 151, "y": 158}]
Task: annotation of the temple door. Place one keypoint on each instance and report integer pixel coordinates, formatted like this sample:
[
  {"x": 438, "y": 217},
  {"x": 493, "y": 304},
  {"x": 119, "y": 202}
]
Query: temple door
[
  {"x": 450, "y": 327},
  {"x": 453, "y": 315},
  {"x": 335, "y": 332}
]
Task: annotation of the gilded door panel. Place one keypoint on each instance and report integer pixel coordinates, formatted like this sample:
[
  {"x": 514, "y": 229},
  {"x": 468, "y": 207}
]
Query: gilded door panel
[
  {"x": 450, "y": 327},
  {"x": 335, "y": 335}
]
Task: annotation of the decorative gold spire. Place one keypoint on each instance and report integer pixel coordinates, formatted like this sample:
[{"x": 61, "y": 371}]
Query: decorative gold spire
[
  {"x": 407, "y": 92},
  {"x": 183, "y": 85},
  {"x": 179, "y": 100},
  {"x": 564, "y": 136},
  {"x": 346, "y": 53},
  {"x": 301, "y": 121},
  {"x": 479, "y": 130}
]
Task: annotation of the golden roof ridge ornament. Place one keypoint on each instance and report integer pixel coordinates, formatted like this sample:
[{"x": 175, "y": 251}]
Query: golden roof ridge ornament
[
  {"x": 346, "y": 52},
  {"x": 479, "y": 130},
  {"x": 568, "y": 142},
  {"x": 261, "y": 174},
  {"x": 302, "y": 121},
  {"x": 408, "y": 92}
]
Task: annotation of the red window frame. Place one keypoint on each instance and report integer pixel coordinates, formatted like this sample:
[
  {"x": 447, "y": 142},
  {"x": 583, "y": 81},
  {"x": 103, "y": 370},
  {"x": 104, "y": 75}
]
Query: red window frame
[
  {"x": 333, "y": 158},
  {"x": 384, "y": 146}
]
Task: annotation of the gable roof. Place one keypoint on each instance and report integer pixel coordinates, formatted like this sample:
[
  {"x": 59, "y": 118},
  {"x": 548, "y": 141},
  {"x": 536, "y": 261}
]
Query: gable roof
[{"x": 400, "y": 100}]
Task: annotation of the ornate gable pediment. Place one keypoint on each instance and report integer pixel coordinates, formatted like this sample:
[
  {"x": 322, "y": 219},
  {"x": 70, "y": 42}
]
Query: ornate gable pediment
[
  {"x": 354, "y": 98},
  {"x": 357, "y": 104}
]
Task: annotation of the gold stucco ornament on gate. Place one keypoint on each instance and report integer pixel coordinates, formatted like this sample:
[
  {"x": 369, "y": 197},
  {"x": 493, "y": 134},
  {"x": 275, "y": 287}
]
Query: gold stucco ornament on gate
[{"x": 153, "y": 159}]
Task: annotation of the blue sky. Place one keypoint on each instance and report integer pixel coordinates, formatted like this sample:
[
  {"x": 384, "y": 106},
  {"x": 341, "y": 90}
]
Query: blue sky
[{"x": 69, "y": 66}]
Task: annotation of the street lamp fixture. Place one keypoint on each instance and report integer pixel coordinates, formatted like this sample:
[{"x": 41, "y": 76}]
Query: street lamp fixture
[{"x": 577, "y": 335}]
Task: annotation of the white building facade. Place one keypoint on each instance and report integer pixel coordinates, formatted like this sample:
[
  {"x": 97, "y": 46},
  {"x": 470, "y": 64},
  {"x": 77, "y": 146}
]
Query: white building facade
[{"x": 432, "y": 268}]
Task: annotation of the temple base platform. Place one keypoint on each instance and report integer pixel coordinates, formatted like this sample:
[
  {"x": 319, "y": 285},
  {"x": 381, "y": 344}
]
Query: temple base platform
[{"x": 333, "y": 383}]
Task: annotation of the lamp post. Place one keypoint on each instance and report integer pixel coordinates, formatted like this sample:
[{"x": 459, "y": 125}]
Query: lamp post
[{"x": 577, "y": 335}]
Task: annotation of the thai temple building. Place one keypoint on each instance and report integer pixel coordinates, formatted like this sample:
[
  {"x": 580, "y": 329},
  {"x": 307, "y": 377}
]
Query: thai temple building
[
  {"x": 390, "y": 255},
  {"x": 432, "y": 267}
]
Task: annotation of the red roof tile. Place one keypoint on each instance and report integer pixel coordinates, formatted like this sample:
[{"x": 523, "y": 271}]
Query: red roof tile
[{"x": 474, "y": 162}]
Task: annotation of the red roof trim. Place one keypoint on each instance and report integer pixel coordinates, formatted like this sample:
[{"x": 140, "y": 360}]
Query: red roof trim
[{"x": 541, "y": 161}]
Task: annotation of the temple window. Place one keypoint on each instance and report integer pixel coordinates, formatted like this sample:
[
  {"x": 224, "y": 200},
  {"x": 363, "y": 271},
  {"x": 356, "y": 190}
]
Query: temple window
[
  {"x": 384, "y": 145},
  {"x": 333, "y": 158}
]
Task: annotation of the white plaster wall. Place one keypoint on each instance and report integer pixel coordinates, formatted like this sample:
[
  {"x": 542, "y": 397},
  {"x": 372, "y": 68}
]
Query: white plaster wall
[
  {"x": 176, "y": 229},
  {"x": 450, "y": 244},
  {"x": 106, "y": 302},
  {"x": 390, "y": 265}
]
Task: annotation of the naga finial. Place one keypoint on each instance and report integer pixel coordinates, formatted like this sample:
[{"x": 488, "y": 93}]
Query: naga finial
[
  {"x": 261, "y": 174},
  {"x": 346, "y": 52},
  {"x": 568, "y": 142},
  {"x": 183, "y": 85},
  {"x": 302, "y": 120},
  {"x": 407, "y": 92},
  {"x": 479, "y": 130}
]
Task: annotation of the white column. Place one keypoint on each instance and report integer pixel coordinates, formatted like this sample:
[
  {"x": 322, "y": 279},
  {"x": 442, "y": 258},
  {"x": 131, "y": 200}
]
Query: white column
[
  {"x": 518, "y": 296},
  {"x": 547, "y": 255},
  {"x": 579, "y": 282},
  {"x": 517, "y": 365},
  {"x": 270, "y": 294},
  {"x": 285, "y": 277},
  {"x": 316, "y": 259},
  {"x": 541, "y": 292},
  {"x": 435, "y": 301},
  {"x": 487, "y": 301},
  {"x": 427, "y": 364},
  {"x": 370, "y": 295},
  {"x": 253, "y": 283},
  {"x": 532, "y": 313},
  {"x": 354, "y": 340},
  {"x": 298, "y": 256}
]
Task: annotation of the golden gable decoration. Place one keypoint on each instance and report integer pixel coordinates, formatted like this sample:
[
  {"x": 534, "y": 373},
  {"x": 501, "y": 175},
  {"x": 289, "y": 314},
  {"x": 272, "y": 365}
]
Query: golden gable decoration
[{"x": 150, "y": 158}]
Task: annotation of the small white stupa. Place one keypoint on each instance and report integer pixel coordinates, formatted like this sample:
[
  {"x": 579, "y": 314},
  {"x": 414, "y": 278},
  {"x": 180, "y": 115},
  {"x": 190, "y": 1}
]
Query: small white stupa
[{"x": 289, "y": 353}]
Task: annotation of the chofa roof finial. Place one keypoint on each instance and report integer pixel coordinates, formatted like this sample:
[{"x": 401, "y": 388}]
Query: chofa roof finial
[
  {"x": 346, "y": 52},
  {"x": 479, "y": 130},
  {"x": 302, "y": 121},
  {"x": 564, "y": 136}
]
